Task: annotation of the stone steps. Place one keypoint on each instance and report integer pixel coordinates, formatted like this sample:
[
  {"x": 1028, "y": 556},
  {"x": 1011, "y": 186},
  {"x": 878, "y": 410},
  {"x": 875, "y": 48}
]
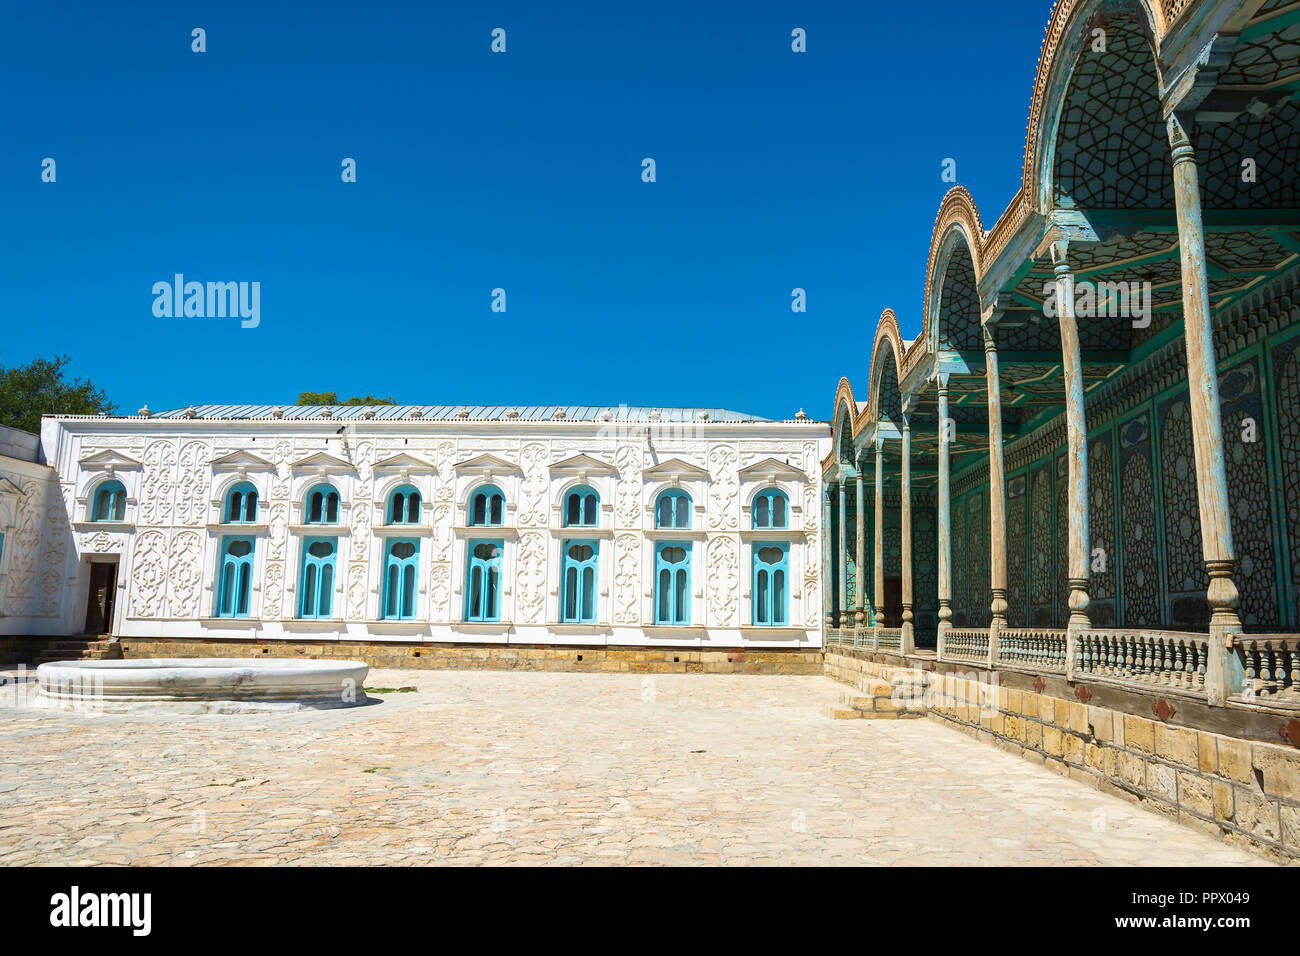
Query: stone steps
[
  {"x": 876, "y": 699},
  {"x": 73, "y": 649}
]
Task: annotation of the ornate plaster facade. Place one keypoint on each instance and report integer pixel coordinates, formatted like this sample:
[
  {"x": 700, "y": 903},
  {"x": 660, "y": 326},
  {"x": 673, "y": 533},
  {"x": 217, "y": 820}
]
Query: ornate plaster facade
[{"x": 208, "y": 492}]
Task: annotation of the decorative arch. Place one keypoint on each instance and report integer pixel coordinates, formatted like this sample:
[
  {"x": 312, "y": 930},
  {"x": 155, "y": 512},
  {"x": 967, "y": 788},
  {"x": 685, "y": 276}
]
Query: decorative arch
[
  {"x": 885, "y": 399},
  {"x": 952, "y": 306},
  {"x": 843, "y": 421},
  {"x": 1064, "y": 82}
]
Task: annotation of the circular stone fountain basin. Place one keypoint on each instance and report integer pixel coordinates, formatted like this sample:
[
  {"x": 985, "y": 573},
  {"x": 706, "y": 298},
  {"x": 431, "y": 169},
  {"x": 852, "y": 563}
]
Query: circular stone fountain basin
[{"x": 201, "y": 685}]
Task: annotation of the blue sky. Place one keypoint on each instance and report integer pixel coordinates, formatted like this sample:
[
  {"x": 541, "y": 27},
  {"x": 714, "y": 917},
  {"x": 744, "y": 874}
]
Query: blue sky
[{"x": 477, "y": 171}]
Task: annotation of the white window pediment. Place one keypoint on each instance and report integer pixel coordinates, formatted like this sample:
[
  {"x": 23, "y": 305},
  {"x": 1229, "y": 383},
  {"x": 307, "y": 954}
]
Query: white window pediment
[
  {"x": 488, "y": 464},
  {"x": 108, "y": 462},
  {"x": 239, "y": 461},
  {"x": 404, "y": 462},
  {"x": 583, "y": 465},
  {"x": 323, "y": 463},
  {"x": 675, "y": 470},
  {"x": 9, "y": 489},
  {"x": 771, "y": 470}
]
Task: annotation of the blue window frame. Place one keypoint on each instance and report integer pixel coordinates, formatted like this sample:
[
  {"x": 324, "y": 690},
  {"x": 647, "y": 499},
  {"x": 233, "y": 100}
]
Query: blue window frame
[
  {"x": 401, "y": 572},
  {"x": 483, "y": 581},
  {"x": 109, "y": 502},
  {"x": 319, "y": 560},
  {"x": 241, "y": 504},
  {"x": 322, "y": 505},
  {"x": 673, "y": 510},
  {"x": 579, "y": 573},
  {"x": 235, "y": 577},
  {"x": 771, "y": 509},
  {"x": 404, "y": 505},
  {"x": 673, "y": 582},
  {"x": 581, "y": 508},
  {"x": 771, "y": 584},
  {"x": 487, "y": 507}
]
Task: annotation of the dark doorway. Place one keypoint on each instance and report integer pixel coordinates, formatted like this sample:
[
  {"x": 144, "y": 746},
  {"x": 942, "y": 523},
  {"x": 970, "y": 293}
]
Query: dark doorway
[
  {"x": 99, "y": 606},
  {"x": 893, "y": 609}
]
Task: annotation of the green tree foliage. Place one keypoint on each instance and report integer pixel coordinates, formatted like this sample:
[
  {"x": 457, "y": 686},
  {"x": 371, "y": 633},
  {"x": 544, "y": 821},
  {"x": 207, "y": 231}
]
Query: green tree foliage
[
  {"x": 332, "y": 398},
  {"x": 39, "y": 388}
]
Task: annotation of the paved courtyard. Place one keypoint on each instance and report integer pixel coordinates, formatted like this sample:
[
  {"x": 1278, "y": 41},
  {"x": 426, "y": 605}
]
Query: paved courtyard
[{"x": 504, "y": 767}]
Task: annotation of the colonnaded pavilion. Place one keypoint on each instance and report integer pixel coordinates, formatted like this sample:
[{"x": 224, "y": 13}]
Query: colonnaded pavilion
[{"x": 1089, "y": 459}]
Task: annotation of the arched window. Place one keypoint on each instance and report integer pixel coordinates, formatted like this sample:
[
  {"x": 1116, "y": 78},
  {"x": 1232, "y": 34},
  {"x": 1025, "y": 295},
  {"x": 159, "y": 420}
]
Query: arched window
[
  {"x": 235, "y": 577},
  {"x": 487, "y": 507},
  {"x": 401, "y": 571},
  {"x": 673, "y": 510},
  {"x": 319, "y": 557},
  {"x": 673, "y": 583},
  {"x": 241, "y": 504},
  {"x": 771, "y": 509},
  {"x": 581, "y": 508},
  {"x": 109, "y": 502},
  {"x": 578, "y": 602},
  {"x": 404, "y": 505},
  {"x": 322, "y": 505},
  {"x": 483, "y": 595},
  {"x": 771, "y": 592}
]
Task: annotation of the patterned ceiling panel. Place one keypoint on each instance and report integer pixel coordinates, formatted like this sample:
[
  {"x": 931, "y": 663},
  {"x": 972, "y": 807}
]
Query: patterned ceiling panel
[
  {"x": 1110, "y": 147},
  {"x": 891, "y": 400},
  {"x": 1273, "y": 143},
  {"x": 1245, "y": 250},
  {"x": 959, "y": 305},
  {"x": 1264, "y": 61}
]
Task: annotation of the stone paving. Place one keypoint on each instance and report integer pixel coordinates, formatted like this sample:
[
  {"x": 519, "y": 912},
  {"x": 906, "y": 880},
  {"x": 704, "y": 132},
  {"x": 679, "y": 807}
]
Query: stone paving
[{"x": 507, "y": 767}]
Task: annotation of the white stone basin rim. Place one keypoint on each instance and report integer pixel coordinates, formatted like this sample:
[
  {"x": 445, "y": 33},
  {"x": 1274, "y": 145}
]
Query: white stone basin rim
[{"x": 316, "y": 682}]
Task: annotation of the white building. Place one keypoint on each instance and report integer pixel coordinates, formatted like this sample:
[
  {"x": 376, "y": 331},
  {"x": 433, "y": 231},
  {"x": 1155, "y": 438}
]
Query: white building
[{"x": 540, "y": 525}]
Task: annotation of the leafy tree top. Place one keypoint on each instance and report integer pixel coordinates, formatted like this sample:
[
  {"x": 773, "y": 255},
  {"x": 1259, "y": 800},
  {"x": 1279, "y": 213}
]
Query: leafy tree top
[
  {"x": 41, "y": 388},
  {"x": 332, "y": 398}
]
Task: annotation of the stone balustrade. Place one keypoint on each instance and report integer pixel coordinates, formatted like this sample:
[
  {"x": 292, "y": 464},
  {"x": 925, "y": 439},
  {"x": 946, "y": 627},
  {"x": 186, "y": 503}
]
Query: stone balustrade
[
  {"x": 1164, "y": 658},
  {"x": 1272, "y": 667},
  {"x": 1036, "y": 648},
  {"x": 967, "y": 644},
  {"x": 890, "y": 638}
]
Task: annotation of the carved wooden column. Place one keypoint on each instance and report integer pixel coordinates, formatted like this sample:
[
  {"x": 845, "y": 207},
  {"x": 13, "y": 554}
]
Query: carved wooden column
[
  {"x": 908, "y": 643},
  {"x": 860, "y": 613},
  {"x": 879, "y": 578},
  {"x": 1077, "y": 453},
  {"x": 997, "y": 499},
  {"x": 1207, "y": 427},
  {"x": 844, "y": 554},
  {"x": 827, "y": 583},
  {"x": 945, "y": 518}
]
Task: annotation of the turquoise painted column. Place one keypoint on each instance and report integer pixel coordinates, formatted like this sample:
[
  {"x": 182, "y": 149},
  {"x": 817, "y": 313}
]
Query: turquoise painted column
[
  {"x": 879, "y": 578},
  {"x": 908, "y": 643},
  {"x": 944, "y": 517},
  {"x": 826, "y": 558},
  {"x": 860, "y": 527},
  {"x": 1222, "y": 676},
  {"x": 844, "y": 554}
]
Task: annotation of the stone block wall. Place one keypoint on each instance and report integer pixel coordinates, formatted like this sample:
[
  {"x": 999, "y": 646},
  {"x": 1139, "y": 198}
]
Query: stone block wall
[
  {"x": 1246, "y": 792},
  {"x": 498, "y": 657}
]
